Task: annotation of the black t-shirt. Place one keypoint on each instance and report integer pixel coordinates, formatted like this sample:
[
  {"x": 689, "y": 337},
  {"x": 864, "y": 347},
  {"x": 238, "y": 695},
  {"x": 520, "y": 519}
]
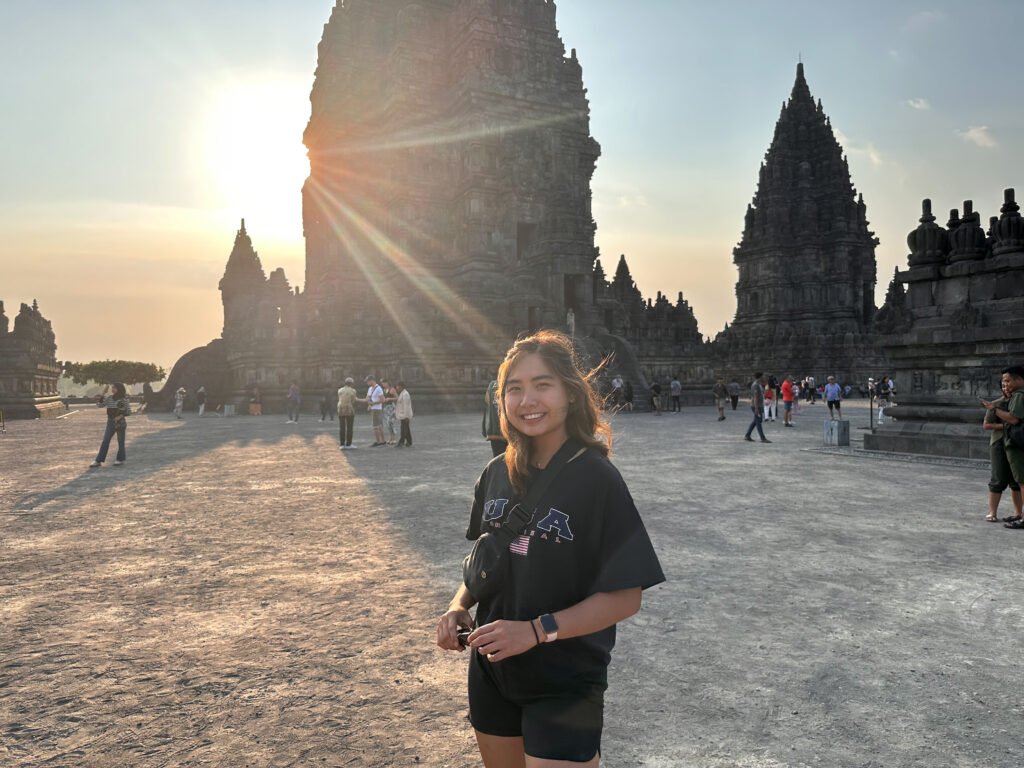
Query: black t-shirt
[{"x": 586, "y": 536}]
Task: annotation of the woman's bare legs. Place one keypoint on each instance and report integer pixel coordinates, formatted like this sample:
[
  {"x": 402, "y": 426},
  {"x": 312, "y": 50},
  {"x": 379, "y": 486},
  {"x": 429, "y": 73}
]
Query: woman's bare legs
[
  {"x": 507, "y": 752},
  {"x": 501, "y": 751},
  {"x": 536, "y": 762}
]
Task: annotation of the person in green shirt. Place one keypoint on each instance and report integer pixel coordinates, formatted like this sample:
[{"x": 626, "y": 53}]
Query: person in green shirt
[
  {"x": 1012, "y": 414},
  {"x": 1001, "y": 477}
]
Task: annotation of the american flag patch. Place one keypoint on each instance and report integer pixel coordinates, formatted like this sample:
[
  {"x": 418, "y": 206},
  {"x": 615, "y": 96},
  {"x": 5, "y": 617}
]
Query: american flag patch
[{"x": 520, "y": 545}]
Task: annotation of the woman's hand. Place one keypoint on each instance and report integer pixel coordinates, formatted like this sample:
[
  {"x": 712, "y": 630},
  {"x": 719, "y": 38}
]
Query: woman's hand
[
  {"x": 989, "y": 404},
  {"x": 448, "y": 626},
  {"x": 503, "y": 639}
]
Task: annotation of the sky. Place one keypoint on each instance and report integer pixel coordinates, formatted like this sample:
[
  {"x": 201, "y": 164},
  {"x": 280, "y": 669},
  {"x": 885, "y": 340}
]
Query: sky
[{"x": 136, "y": 134}]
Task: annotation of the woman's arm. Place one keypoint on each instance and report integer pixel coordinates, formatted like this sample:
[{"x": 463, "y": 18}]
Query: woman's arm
[
  {"x": 503, "y": 639},
  {"x": 597, "y": 612},
  {"x": 457, "y": 616}
]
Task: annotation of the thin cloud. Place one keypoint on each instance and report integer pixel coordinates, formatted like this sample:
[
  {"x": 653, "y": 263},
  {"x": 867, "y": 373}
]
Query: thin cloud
[
  {"x": 980, "y": 136},
  {"x": 868, "y": 150},
  {"x": 919, "y": 104},
  {"x": 632, "y": 201},
  {"x": 924, "y": 19}
]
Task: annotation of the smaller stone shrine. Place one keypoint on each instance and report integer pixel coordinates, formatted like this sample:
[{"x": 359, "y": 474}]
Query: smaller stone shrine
[
  {"x": 957, "y": 325},
  {"x": 28, "y": 366}
]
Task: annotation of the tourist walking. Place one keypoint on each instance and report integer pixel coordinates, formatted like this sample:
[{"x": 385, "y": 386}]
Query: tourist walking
[
  {"x": 328, "y": 405},
  {"x": 627, "y": 396},
  {"x": 789, "y": 396},
  {"x": 256, "y": 402},
  {"x": 1011, "y": 415},
  {"x": 118, "y": 411},
  {"x": 769, "y": 403},
  {"x": 346, "y": 413},
  {"x": 390, "y": 420},
  {"x": 491, "y": 426},
  {"x": 179, "y": 402},
  {"x": 676, "y": 388},
  {"x": 201, "y": 400},
  {"x": 833, "y": 398},
  {"x": 812, "y": 392},
  {"x": 617, "y": 393},
  {"x": 656, "y": 397},
  {"x": 734, "y": 393},
  {"x": 1001, "y": 474},
  {"x": 721, "y": 394},
  {"x": 294, "y": 403},
  {"x": 403, "y": 411},
  {"x": 540, "y": 650},
  {"x": 882, "y": 391},
  {"x": 757, "y": 406}
]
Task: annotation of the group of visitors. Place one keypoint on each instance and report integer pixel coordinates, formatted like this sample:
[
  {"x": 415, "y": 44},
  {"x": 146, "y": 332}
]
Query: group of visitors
[
  {"x": 389, "y": 406},
  {"x": 1004, "y": 418},
  {"x": 767, "y": 391},
  {"x": 181, "y": 394}
]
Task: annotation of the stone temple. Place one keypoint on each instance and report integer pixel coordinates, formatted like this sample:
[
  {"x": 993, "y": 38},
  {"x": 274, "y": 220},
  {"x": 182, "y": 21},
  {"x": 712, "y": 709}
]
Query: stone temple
[
  {"x": 28, "y": 366},
  {"x": 805, "y": 295},
  {"x": 448, "y": 210},
  {"x": 958, "y": 323}
]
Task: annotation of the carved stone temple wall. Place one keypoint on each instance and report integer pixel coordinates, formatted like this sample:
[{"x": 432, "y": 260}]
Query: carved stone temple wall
[
  {"x": 448, "y": 210},
  {"x": 28, "y": 366},
  {"x": 958, "y": 323},
  {"x": 806, "y": 260}
]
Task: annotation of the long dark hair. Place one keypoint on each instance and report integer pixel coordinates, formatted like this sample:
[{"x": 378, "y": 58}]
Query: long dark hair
[
  {"x": 119, "y": 390},
  {"x": 584, "y": 421}
]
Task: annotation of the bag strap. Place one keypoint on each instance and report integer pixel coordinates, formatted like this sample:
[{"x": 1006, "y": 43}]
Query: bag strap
[{"x": 522, "y": 512}]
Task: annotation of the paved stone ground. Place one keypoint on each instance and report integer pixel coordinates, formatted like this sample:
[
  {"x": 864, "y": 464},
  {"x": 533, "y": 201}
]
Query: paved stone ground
[{"x": 241, "y": 593}]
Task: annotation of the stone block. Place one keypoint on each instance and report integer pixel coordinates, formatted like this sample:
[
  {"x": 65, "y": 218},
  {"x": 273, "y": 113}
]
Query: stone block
[{"x": 836, "y": 433}]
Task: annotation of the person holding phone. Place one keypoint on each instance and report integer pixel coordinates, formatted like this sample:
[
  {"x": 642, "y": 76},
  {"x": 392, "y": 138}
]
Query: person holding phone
[
  {"x": 1001, "y": 477},
  {"x": 118, "y": 409},
  {"x": 541, "y": 647},
  {"x": 1011, "y": 414}
]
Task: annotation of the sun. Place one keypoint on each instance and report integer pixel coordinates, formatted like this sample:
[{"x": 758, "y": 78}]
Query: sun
[{"x": 254, "y": 160}]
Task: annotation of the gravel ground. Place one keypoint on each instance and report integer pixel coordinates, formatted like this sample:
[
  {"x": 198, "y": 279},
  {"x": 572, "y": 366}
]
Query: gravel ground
[{"x": 242, "y": 593}]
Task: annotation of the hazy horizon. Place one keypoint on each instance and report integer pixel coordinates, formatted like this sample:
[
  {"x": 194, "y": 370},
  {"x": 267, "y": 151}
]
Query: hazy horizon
[{"x": 138, "y": 137}]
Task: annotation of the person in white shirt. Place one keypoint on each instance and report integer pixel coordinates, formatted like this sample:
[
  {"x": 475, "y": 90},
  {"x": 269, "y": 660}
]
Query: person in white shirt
[
  {"x": 375, "y": 402},
  {"x": 403, "y": 410}
]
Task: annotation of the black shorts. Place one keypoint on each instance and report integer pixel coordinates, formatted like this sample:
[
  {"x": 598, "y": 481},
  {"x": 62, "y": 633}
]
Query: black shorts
[{"x": 563, "y": 726}]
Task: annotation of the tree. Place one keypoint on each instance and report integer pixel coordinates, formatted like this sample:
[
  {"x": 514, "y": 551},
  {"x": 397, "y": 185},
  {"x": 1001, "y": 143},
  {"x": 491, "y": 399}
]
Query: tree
[{"x": 108, "y": 371}]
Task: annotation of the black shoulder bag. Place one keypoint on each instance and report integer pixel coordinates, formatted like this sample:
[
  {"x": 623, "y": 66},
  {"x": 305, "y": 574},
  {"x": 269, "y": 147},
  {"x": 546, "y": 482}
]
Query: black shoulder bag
[{"x": 485, "y": 567}]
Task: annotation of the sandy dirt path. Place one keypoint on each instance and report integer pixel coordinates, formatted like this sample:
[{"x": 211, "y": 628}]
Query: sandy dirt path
[{"x": 241, "y": 593}]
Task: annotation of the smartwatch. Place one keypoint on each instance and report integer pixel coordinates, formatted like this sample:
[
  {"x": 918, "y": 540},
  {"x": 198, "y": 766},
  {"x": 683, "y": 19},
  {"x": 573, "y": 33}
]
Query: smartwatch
[{"x": 550, "y": 627}]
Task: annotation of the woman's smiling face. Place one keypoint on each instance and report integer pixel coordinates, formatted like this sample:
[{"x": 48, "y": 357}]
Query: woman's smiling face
[{"x": 536, "y": 401}]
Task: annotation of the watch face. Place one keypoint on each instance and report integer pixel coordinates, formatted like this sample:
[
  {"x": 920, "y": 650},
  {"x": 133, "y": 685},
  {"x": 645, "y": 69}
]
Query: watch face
[{"x": 548, "y": 622}]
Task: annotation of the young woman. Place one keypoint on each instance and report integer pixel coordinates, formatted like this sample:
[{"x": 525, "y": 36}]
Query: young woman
[
  {"x": 118, "y": 409},
  {"x": 541, "y": 647}
]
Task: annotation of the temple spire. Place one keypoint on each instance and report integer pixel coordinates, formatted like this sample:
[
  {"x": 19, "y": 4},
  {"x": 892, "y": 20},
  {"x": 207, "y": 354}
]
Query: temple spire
[
  {"x": 801, "y": 91},
  {"x": 622, "y": 272},
  {"x": 243, "y": 264}
]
